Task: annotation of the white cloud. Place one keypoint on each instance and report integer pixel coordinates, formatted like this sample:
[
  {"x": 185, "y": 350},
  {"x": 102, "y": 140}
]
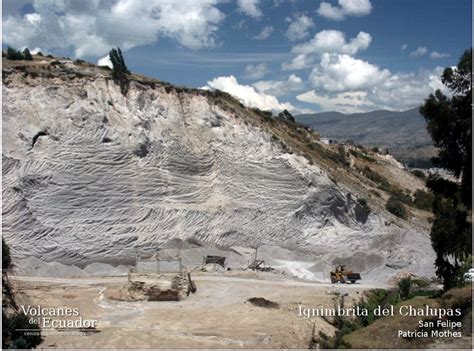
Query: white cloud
[
  {"x": 250, "y": 8},
  {"x": 403, "y": 91},
  {"x": 247, "y": 94},
  {"x": 301, "y": 61},
  {"x": 348, "y": 102},
  {"x": 403, "y": 47},
  {"x": 346, "y": 8},
  {"x": 256, "y": 71},
  {"x": 240, "y": 25},
  {"x": 420, "y": 51},
  {"x": 438, "y": 55},
  {"x": 371, "y": 89},
  {"x": 278, "y": 88},
  {"x": 356, "y": 7},
  {"x": 105, "y": 61},
  {"x": 343, "y": 72},
  {"x": 330, "y": 12},
  {"x": 265, "y": 33},
  {"x": 298, "y": 28},
  {"x": 333, "y": 41},
  {"x": 94, "y": 27},
  {"x": 33, "y": 51}
]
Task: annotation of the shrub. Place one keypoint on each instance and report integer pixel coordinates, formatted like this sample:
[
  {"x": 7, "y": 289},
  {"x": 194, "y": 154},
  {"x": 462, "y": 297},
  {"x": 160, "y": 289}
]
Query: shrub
[
  {"x": 371, "y": 301},
  {"x": 286, "y": 116},
  {"x": 12, "y": 320},
  {"x": 337, "y": 157},
  {"x": 396, "y": 207},
  {"x": 381, "y": 181},
  {"x": 13, "y": 54},
  {"x": 423, "y": 200},
  {"x": 342, "y": 156},
  {"x": 344, "y": 326},
  {"x": 375, "y": 149},
  {"x": 404, "y": 287},
  {"x": 15, "y": 339},
  {"x": 419, "y": 174},
  {"x": 27, "y": 55},
  {"x": 265, "y": 114},
  {"x": 364, "y": 205},
  {"x": 6, "y": 258},
  {"x": 402, "y": 196},
  {"x": 120, "y": 70}
]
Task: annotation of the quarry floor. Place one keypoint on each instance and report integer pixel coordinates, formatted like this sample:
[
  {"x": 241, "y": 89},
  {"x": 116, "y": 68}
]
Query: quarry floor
[{"x": 218, "y": 315}]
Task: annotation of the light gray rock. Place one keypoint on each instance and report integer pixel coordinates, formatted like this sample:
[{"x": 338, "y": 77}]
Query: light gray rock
[{"x": 90, "y": 175}]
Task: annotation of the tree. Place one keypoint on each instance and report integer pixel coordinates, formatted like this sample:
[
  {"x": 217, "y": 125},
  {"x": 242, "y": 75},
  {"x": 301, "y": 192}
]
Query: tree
[
  {"x": 286, "y": 116},
  {"x": 404, "y": 287},
  {"x": 6, "y": 258},
  {"x": 13, "y": 54},
  {"x": 27, "y": 55},
  {"x": 450, "y": 125},
  {"x": 120, "y": 70},
  {"x": 13, "y": 321}
]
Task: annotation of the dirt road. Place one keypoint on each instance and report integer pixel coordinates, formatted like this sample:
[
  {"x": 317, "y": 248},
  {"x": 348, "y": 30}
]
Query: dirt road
[{"x": 217, "y": 316}]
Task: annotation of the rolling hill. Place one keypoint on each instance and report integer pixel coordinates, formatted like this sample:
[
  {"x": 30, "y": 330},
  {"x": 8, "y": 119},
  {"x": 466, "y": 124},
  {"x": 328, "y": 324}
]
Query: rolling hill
[{"x": 386, "y": 129}]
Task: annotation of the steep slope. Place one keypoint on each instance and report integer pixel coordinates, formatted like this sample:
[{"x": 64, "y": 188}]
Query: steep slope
[
  {"x": 92, "y": 175},
  {"x": 389, "y": 129}
]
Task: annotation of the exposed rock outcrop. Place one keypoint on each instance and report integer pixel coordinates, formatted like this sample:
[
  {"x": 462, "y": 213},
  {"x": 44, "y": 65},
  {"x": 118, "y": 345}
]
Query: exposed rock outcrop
[{"x": 115, "y": 174}]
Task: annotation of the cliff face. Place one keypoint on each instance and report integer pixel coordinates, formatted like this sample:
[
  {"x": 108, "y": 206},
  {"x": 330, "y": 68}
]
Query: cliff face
[{"x": 92, "y": 175}]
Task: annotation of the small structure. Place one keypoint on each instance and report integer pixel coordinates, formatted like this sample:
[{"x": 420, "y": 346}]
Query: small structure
[
  {"x": 220, "y": 260},
  {"x": 157, "y": 279},
  {"x": 259, "y": 265},
  {"x": 157, "y": 265}
]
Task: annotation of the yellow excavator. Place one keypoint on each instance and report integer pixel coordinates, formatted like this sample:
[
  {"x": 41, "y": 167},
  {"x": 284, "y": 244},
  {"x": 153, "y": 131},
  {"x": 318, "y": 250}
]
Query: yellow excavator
[{"x": 341, "y": 275}]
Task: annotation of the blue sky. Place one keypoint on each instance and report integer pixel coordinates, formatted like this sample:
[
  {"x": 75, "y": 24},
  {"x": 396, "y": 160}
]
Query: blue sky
[{"x": 304, "y": 55}]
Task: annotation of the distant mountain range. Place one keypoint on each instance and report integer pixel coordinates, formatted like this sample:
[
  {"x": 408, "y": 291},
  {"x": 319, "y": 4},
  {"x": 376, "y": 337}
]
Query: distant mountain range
[{"x": 387, "y": 129}]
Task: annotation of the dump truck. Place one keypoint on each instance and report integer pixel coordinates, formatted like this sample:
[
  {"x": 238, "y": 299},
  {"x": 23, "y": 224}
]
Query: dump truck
[{"x": 341, "y": 275}]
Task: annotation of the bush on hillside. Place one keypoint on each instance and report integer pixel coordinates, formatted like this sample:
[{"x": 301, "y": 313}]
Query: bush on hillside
[
  {"x": 13, "y": 54},
  {"x": 396, "y": 207},
  {"x": 423, "y": 200},
  {"x": 419, "y": 174},
  {"x": 404, "y": 287},
  {"x": 27, "y": 55}
]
